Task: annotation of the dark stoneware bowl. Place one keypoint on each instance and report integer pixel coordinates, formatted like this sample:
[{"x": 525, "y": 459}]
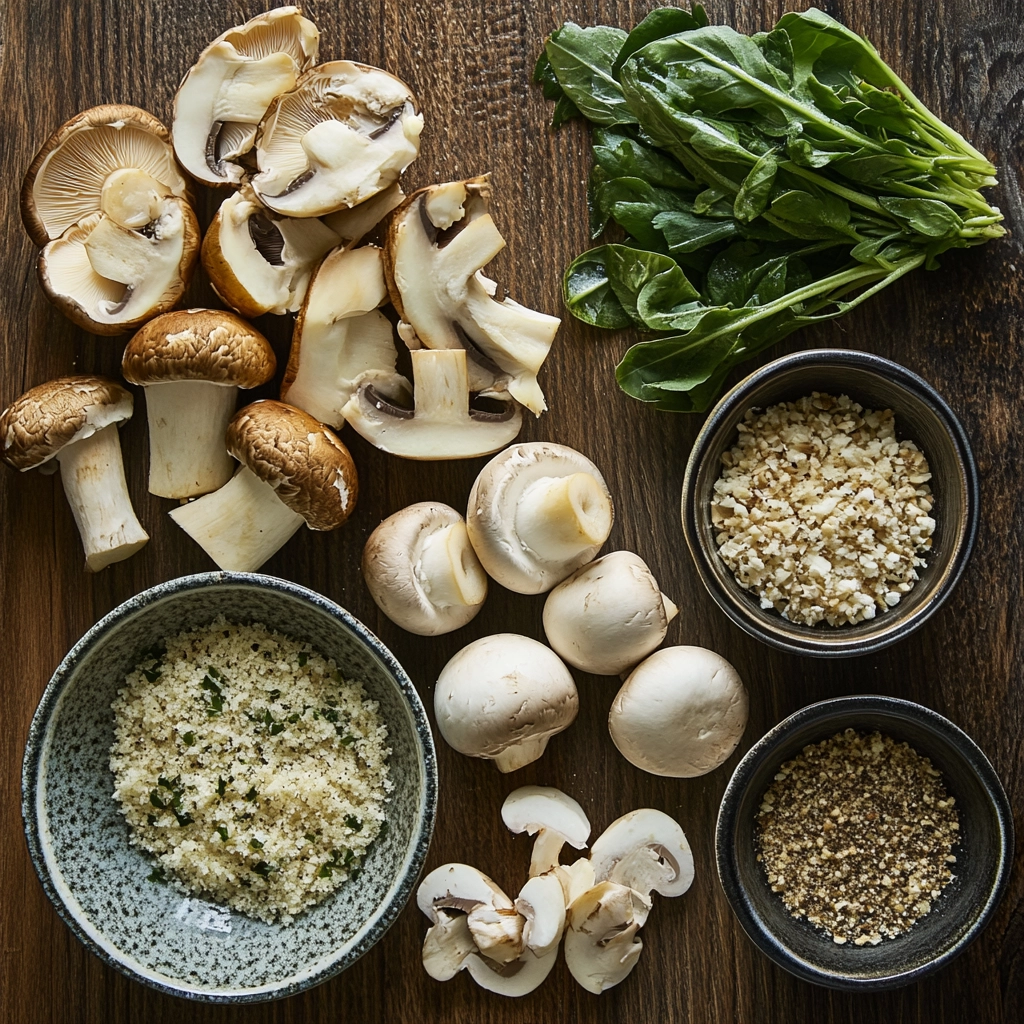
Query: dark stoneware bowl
[
  {"x": 79, "y": 840},
  {"x": 984, "y": 854}
]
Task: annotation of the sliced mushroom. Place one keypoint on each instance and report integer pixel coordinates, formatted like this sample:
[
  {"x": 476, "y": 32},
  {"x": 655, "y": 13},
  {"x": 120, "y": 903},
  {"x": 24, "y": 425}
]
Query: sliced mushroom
[
  {"x": 541, "y": 903},
  {"x": 422, "y": 571},
  {"x": 259, "y": 262},
  {"x": 608, "y": 615},
  {"x": 552, "y": 816},
  {"x": 106, "y": 201},
  {"x": 441, "y": 424},
  {"x": 343, "y": 134},
  {"x": 645, "y": 850},
  {"x": 601, "y": 944},
  {"x": 340, "y": 335},
  {"x": 353, "y": 224},
  {"x": 575, "y": 878},
  {"x": 226, "y": 93},
  {"x": 515, "y": 979},
  {"x": 537, "y": 512},
  {"x": 437, "y": 243}
]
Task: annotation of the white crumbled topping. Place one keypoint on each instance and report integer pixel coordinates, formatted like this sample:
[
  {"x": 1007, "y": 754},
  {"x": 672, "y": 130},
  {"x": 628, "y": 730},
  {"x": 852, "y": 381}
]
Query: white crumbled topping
[
  {"x": 253, "y": 771},
  {"x": 821, "y": 512}
]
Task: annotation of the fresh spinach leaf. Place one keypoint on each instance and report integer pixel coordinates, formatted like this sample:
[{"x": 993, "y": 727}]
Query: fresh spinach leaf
[{"x": 581, "y": 62}]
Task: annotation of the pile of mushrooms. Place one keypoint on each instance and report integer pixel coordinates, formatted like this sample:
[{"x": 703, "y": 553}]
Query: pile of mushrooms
[{"x": 598, "y": 904}]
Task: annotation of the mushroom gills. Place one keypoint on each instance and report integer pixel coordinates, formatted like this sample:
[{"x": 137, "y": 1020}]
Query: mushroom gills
[
  {"x": 645, "y": 850},
  {"x": 241, "y": 525}
]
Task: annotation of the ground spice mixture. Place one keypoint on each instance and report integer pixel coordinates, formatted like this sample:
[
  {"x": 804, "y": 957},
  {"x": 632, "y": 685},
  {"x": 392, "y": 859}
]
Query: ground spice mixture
[{"x": 856, "y": 834}]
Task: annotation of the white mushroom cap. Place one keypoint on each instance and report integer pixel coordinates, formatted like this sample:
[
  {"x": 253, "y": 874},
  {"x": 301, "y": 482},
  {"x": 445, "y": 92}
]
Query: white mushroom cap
[
  {"x": 518, "y": 978},
  {"x": 541, "y": 902},
  {"x": 503, "y": 697},
  {"x": 680, "y": 713},
  {"x": 537, "y": 512},
  {"x": 552, "y": 816},
  {"x": 645, "y": 850},
  {"x": 608, "y": 615},
  {"x": 422, "y": 571}
]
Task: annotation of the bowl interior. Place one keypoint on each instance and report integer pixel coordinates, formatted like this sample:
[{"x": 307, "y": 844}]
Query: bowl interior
[
  {"x": 982, "y": 854},
  {"x": 919, "y": 417},
  {"x": 79, "y": 839}
]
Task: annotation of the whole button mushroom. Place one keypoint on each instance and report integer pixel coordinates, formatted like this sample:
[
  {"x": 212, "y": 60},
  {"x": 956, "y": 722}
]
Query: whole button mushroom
[
  {"x": 608, "y": 615},
  {"x": 294, "y": 471},
  {"x": 537, "y": 512},
  {"x": 680, "y": 713},
  {"x": 502, "y": 698},
  {"x": 421, "y": 569},
  {"x": 74, "y": 420},
  {"x": 192, "y": 363}
]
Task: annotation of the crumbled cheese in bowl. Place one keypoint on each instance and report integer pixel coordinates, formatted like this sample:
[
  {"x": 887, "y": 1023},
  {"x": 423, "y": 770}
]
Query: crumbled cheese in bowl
[
  {"x": 250, "y": 768},
  {"x": 822, "y": 512}
]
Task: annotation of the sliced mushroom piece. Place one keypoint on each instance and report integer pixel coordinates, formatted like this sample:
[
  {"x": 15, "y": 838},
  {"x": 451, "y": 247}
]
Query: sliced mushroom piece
[
  {"x": 192, "y": 363},
  {"x": 537, "y": 512},
  {"x": 541, "y": 903},
  {"x": 645, "y": 850},
  {"x": 437, "y": 243},
  {"x": 74, "y": 420},
  {"x": 575, "y": 878},
  {"x": 441, "y": 424},
  {"x": 343, "y": 134},
  {"x": 340, "y": 335},
  {"x": 446, "y": 945},
  {"x": 552, "y": 816},
  {"x": 422, "y": 571},
  {"x": 226, "y": 93},
  {"x": 259, "y": 262},
  {"x": 353, "y": 224},
  {"x": 515, "y": 979},
  {"x": 294, "y": 471}
]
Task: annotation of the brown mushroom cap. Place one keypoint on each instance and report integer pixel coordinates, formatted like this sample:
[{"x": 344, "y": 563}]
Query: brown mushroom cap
[
  {"x": 309, "y": 468},
  {"x": 199, "y": 344},
  {"x": 36, "y": 426}
]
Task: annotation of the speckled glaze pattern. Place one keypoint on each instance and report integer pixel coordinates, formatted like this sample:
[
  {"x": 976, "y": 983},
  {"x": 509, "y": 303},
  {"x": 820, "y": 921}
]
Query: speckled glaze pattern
[{"x": 78, "y": 838}]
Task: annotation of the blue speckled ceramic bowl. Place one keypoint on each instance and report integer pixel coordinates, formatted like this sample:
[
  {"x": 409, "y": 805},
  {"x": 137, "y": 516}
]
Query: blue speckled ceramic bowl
[{"x": 78, "y": 839}]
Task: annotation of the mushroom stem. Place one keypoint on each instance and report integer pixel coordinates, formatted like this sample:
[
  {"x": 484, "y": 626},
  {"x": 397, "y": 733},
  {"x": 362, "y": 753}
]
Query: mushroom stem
[
  {"x": 546, "y": 848},
  {"x": 92, "y": 472},
  {"x": 187, "y": 423},
  {"x": 514, "y": 757},
  {"x": 558, "y": 516},
  {"x": 671, "y": 609},
  {"x": 448, "y": 570},
  {"x": 241, "y": 525}
]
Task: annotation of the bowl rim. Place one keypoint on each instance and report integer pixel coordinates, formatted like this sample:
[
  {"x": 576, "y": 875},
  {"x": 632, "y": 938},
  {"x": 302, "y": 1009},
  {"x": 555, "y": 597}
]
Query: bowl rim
[
  {"x": 764, "y": 749},
  {"x": 738, "y": 610},
  {"x": 35, "y": 746}
]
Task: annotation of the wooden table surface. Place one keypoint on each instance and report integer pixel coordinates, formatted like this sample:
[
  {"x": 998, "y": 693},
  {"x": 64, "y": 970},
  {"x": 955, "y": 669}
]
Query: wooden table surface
[{"x": 470, "y": 63}]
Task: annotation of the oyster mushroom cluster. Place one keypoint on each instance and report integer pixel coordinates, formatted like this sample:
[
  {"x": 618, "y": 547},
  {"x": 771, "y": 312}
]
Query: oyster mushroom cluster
[{"x": 596, "y": 905}]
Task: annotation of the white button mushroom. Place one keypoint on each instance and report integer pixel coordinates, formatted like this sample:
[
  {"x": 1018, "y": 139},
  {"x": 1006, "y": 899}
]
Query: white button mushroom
[
  {"x": 502, "y": 698},
  {"x": 74, "y": 420},
  {"x": 191, "y": 363},
  {"x": 537, "y": 512},
  {"x": 645, "y": 850},
  {"x": 608, "y": 615},
  {"x": 422, "y": 571},
  {"x": 552, "y": 816},
  {"x": 680, "y": 713}
]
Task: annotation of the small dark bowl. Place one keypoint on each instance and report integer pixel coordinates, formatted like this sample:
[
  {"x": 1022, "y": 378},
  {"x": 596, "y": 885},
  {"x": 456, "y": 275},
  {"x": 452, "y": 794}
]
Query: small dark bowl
[
  {"x": 921, "y": 416},
  {"x": 984, "y": 854}
]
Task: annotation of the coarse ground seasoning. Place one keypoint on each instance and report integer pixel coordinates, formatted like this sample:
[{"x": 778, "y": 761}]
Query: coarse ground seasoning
[{"x": 856, "y": 834}]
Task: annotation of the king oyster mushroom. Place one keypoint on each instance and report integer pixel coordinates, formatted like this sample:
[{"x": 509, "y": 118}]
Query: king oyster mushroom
[
  {"x": 74, "y": 420},
  {"x": 106, "y": 201},
  {"x": 225, "y": 94},
  {"x": 537, "y": 512},
  {"x": 437, "y": 243},
  {"x": 294, "y": 471},
  {"x": 343, "y": 134}
]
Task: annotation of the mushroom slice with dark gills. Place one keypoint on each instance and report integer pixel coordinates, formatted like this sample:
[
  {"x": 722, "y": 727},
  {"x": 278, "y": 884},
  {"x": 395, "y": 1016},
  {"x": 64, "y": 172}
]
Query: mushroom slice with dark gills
[
  {"x": 224, "y": 96},
  {"x": 438, "y": 242},
  {"x": 345, "y": 133}
]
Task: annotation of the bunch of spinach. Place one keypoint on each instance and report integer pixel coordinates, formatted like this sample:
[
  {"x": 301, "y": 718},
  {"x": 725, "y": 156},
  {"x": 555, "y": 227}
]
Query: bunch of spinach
[{"x": 763, "y": 182}]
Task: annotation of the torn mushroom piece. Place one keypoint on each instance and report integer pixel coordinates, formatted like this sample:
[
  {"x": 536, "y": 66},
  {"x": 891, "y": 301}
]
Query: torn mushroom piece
[
  {"x": 340, "y": 335},
  {"x": 192, "y": 363},
  {"x": 294, "y": 471},
  {"x": 645, "y": 850},
  {"x": 437, "y": 243},
  {"x": 106, "y": 201},
  {"x": 225, "y": 94},
  {"x": 552, "y": 816},
  {"x": 74, "y": 420},
  {"x": 441, "y": 423},
  {"x": 537, "y": 512},
  {"x": 422, "y": 571},
  {"x": 259, "y": 262},
  {"x": 354, "y": 223},
  {"x": 343, "y": 134}
]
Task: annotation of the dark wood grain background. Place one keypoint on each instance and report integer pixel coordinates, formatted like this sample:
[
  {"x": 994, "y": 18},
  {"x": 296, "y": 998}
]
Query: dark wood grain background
[{"x": 470, "y": 62}]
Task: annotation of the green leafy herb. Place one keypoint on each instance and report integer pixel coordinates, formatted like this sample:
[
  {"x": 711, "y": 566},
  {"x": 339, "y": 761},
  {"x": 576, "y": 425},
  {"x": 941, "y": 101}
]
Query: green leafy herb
[
  {"x": 209, "y": 684},
  {"x": 222, "y": 786},
  {"x": 157, "y": 800},
  {"x": 264, "y": 869},
  {"x": 303, "y": 658},
  {"x": 151, "y": 819},
  {"x": 223, "y": 833},
  {"x": 252, "y": 794},
  {"x": 309, "y": 837},
  {"x": 353, "y": 822},
  {"x": 156, "y": 875},
  {"x": 255, "y": 844},
  {"x": 189, "y": 738}
]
